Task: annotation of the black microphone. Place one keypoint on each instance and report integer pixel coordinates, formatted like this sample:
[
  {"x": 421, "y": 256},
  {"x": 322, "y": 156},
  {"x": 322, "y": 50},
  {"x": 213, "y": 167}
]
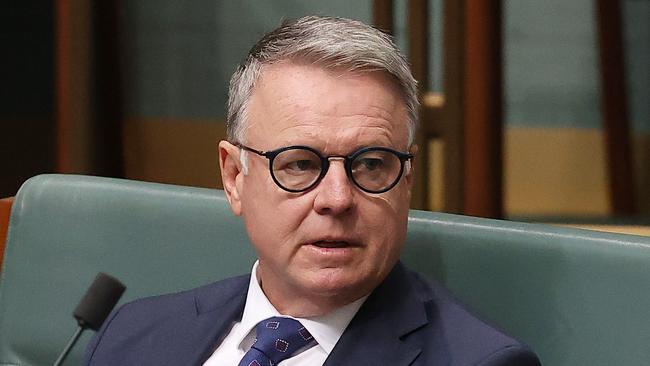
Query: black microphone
[{"x": 94, "y": 307}]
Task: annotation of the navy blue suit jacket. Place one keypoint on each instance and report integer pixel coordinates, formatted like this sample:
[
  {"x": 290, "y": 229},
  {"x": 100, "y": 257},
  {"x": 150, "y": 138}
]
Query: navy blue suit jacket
[{"x": 405, "y": 321}]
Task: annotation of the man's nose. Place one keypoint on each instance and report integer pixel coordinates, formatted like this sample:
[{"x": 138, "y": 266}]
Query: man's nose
[{"x": 335, "y": 191}]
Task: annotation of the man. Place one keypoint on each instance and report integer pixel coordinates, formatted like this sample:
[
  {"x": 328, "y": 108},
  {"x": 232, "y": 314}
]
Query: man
[{"x": 318, "y": 163}]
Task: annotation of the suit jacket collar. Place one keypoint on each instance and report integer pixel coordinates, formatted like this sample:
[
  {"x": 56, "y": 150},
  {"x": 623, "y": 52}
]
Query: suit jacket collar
[
  {"x": 377, "y": 334},
  {"x": 216, "y": 308}
]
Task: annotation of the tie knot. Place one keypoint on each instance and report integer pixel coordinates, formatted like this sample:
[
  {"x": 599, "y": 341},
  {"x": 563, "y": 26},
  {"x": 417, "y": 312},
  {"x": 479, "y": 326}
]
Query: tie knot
[{"x": 278, "y": 338}]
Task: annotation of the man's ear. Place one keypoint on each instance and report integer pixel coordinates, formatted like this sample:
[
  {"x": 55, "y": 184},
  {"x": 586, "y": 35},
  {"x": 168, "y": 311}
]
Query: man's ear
[{"x": 231, "y": 174}]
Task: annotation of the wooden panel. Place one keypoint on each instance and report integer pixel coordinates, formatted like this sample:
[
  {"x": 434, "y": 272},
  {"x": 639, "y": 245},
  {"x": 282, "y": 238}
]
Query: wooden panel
[
  {"x": 418, "y": 38},
  {"x": 436, "y": 174},
  {"x": 73, "y": 92},
  {"x": 483, "y": 109},
  {"x": 555, "y": 172},
  {"x": 641, "y": 150},
  {"x": 614, "y": 106},
  {"x": 173, "y": 151},
  {"x": 382, "y": 15},
  {"x": 88, "y": 87},
  {"x": 108, "y": 109},
  {"x": 447, "y": 121},
  {"x": 468, "y": 116},
  {"x": 5, "y": 211}
]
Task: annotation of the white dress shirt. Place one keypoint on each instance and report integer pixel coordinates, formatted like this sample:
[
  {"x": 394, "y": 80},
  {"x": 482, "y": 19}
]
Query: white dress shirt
[{"x": 326, "y": 329}]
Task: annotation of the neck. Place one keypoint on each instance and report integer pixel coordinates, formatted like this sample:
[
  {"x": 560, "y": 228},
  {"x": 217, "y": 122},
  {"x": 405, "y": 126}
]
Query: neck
[
  {"x": 293, "y": 303},
  {"x": 308, "y": 307}
]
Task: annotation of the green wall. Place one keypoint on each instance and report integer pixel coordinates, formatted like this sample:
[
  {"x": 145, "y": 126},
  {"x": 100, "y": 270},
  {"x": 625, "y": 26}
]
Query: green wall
[
  {"x": 179, "y": 55},
  {"x": 551, "y": 63}
]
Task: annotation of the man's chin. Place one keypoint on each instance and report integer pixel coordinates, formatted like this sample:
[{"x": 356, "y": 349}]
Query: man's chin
[{"x": 339, "y": 283}]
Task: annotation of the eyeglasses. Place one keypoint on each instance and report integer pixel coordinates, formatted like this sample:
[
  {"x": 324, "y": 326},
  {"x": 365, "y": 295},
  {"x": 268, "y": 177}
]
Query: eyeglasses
[{"x": 299, "y": 168}]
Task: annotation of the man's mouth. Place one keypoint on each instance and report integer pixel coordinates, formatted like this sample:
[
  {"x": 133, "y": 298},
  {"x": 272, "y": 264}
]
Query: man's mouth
[{"x": 331, "y": 244}]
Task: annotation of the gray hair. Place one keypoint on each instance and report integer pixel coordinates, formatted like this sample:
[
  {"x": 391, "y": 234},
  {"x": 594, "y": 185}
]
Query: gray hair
[{"x": 330, "y": 42}]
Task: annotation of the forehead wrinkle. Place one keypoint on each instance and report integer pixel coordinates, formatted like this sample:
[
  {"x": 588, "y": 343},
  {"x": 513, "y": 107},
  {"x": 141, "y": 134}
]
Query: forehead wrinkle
[
  {"x": 265, "y": 117},
  {"x": 352, "y": 138},
  {"x": 270, "y": 82},
  {"x": 371, "y": 131},
  {"x": 374, "y": 113},
  {"x": 310, "y": 130},
  {"x": 279, "y": 111},
  {"x": 388, "y": 114},
  {"x": 350, "y": 120}
]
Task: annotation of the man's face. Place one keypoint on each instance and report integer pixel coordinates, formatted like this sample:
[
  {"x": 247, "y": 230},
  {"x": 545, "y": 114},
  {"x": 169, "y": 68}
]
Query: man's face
[{"x": 333, "y": 243}]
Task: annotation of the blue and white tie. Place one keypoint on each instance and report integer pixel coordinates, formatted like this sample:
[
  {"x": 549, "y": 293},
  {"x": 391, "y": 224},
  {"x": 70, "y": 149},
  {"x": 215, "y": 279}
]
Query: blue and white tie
[{"x": 277, "y": 339}]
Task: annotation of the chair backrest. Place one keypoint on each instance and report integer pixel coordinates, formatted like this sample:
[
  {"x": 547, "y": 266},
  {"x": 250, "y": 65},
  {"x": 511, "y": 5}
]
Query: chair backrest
[{"x": 577, "y": 297}]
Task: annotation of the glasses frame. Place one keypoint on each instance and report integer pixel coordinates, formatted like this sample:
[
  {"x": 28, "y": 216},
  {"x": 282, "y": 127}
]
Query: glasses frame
[{"x": 325, "y": 164}]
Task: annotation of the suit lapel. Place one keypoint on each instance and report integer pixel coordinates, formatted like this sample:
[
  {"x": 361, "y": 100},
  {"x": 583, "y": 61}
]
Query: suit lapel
[
  {"x": 376, "y": 334},
  {"x": 215, "y": 309}
]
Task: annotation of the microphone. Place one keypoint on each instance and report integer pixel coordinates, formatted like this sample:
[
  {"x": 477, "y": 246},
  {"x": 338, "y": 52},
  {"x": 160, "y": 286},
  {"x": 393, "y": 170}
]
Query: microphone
[{"x": 94, "y": 307}]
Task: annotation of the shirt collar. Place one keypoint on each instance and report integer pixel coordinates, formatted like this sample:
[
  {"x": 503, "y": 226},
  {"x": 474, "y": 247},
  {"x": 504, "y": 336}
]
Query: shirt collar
[{"x": 326, "y": 329}]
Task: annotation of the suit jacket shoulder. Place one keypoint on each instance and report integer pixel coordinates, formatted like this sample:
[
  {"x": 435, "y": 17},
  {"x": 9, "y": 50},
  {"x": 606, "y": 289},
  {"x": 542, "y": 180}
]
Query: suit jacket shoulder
[
  {"x": 408, "y": 320},
  {"x": 468, "y": 340},
  {"x": 173, "y": 329}
]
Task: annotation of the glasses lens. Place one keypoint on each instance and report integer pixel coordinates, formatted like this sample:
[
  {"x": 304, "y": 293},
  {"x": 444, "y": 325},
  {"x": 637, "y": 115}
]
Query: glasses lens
[
  {"x": 296, "y": 169},
  {"x": 376, "y": 170}
]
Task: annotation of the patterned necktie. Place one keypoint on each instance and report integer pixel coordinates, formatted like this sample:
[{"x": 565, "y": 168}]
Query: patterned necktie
[{"x": 277, "y": 339}]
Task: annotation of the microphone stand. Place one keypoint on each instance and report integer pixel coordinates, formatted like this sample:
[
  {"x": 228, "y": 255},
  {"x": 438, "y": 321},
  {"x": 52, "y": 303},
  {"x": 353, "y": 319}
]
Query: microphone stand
[
  {"x": 94, "y": 307},
  {"x": 68, "y": 347}
]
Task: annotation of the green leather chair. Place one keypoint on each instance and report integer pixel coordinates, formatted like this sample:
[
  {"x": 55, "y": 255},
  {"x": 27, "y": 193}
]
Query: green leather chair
[{"x": 577, "y": 297}]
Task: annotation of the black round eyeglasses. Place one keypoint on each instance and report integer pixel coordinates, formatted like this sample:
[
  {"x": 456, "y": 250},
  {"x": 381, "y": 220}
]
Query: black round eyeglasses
[{"x": 299, "y": 168}]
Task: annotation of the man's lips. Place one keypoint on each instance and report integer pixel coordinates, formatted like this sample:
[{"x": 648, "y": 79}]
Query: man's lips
[
  {"x": 329, "y": 250},
  {"x": 332, "y": 244}
]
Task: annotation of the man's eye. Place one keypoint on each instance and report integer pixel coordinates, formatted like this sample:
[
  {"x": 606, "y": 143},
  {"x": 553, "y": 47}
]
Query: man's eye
[
  {"x": 370, "y": 163},
  {"x": 301, "y": 165}
]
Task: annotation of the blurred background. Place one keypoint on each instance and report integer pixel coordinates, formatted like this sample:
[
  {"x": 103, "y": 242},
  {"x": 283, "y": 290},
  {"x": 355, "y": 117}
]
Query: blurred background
[{"x": 532, "y": 110}]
